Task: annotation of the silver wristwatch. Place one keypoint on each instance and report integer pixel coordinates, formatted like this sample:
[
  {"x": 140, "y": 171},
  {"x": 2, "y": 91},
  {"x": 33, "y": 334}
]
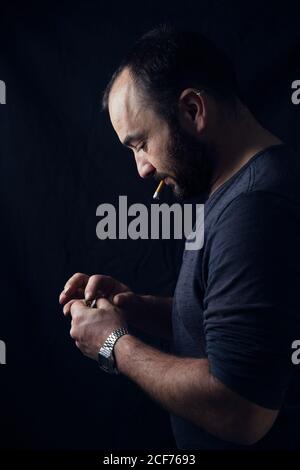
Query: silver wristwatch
[{"x": 106, "y": 358}]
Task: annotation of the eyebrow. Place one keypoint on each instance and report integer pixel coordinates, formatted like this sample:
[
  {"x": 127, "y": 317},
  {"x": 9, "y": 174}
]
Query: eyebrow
[{"x": 131, "y": 138}]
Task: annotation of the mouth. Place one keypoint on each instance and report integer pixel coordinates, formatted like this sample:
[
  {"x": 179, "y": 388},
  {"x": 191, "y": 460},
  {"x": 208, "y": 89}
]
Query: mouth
[{"x": 169, "y": 181}]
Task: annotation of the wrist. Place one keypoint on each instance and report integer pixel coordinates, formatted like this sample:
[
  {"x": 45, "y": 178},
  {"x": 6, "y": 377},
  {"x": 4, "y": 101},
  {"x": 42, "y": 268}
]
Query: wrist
[
  {"x": 106, "y": 356},
  {"x": 123, "y": 352}
]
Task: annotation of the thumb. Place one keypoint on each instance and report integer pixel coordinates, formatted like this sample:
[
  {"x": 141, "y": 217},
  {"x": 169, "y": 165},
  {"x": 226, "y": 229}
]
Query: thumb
[
  {"x": 104, "y": 303},
  {"x": 125, "y": 299}
]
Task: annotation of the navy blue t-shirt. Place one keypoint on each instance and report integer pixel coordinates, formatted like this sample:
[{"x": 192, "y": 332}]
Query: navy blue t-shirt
[{"x": 237, "y": 302}]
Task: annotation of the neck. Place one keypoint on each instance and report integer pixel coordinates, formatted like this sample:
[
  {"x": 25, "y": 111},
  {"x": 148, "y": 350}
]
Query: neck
[{"x": 239, "y": 139}]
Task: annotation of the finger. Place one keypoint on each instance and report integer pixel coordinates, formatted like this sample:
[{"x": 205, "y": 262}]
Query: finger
[
  {"x": 103, "y": 303},
  {"x": 77, "y": 281},
  {"x": 103, "y": 285},
  {"x": 77, "y": 307},
  {"x": 67, "y": 306},
  {"x": 63, "y": 298},
  {"x": 125, "y": 300}
]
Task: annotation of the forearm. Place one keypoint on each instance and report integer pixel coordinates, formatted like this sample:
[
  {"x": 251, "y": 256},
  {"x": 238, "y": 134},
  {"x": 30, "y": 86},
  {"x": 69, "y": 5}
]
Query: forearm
[
  {"x": 153, "y": 315},
  {"x": 183, "y": 386}
]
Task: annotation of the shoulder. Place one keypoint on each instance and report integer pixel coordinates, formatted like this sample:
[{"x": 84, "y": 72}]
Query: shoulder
[
  {"x": 258, "y": 218},
  {"x": 269, "y": 180}
]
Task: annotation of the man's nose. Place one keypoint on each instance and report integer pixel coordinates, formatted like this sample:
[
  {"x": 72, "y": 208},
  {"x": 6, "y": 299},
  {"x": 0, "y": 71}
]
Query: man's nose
[{"x": 144, "y": 167}]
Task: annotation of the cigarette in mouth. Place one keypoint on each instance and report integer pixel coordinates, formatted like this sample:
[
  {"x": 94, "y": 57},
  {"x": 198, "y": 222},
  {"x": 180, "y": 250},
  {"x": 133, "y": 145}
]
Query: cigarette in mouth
[{"x": 158, "y": 190}]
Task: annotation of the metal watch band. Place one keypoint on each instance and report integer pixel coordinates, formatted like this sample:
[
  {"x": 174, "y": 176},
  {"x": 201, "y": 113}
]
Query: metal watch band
[{"x": 106, "y": 358}]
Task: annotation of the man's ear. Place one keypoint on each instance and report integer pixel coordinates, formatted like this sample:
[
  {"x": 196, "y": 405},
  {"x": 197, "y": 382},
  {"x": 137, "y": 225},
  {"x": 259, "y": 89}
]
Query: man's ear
[{"x": 192, "y": 111}]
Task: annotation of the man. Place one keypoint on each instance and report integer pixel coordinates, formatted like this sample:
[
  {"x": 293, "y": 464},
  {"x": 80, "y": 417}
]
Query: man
[{"x": 229, "y": 381}]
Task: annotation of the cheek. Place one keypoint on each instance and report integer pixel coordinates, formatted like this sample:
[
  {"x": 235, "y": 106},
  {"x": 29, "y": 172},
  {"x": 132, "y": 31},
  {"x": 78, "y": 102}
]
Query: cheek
[{"x": 159, "y": 156}]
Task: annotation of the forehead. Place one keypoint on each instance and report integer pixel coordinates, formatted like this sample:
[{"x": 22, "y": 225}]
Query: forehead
[{"x": 126, "y": 109}]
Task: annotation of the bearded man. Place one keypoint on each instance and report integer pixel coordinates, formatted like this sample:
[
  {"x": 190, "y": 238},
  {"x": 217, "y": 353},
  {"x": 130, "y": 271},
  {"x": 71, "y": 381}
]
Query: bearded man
[{"x": 229, "y": 382}]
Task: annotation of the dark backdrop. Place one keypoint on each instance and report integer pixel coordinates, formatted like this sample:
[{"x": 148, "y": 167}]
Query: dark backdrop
[{"x": 59, "y": 160}]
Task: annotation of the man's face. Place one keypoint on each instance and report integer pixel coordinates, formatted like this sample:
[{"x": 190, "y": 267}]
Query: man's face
[{"x": 161, "y": 150}]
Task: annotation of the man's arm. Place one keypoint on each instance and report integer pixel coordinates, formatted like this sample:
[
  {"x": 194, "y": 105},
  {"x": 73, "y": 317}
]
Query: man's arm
[
  {"x": 148, "y": 313},
  {"x": 185, "y": 387}
]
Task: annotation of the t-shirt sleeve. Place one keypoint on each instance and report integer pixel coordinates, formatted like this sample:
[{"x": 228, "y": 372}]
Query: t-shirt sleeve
[{"x": 251, "y": 296}]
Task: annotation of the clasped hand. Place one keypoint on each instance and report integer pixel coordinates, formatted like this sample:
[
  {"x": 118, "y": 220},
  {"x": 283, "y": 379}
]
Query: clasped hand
[{"x": 90, "y": 327}]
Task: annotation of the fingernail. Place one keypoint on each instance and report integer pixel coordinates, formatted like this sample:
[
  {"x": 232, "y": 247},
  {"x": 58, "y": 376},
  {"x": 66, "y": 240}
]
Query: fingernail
[{"x": 88, "y": 295}]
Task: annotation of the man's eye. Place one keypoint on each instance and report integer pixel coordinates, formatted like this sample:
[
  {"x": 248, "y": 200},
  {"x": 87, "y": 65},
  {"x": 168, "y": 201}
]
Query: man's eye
[{"x": 143, "y": 147}]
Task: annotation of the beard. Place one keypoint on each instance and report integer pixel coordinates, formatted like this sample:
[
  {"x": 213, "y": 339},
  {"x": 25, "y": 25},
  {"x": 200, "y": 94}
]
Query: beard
[{"x": 189, "y": 165}]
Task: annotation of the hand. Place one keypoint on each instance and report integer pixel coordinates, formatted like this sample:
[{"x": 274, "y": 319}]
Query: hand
[
  {"x": 81, "y": 286},
  {"x": 90, "y": 327},
  {"x": 148, "y": 313}
]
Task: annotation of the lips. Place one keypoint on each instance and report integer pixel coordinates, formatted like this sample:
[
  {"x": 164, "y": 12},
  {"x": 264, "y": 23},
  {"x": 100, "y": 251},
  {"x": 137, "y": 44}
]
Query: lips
[{"x": 168, "y": 181}]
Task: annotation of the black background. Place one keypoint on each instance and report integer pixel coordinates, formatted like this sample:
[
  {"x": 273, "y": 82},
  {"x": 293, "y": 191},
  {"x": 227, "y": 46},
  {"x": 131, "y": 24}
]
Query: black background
[{"x": 59, "y": 160}]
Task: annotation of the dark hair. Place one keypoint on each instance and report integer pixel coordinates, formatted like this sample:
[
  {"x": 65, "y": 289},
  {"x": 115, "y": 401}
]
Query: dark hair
[{"x": 165, "y": 61}]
